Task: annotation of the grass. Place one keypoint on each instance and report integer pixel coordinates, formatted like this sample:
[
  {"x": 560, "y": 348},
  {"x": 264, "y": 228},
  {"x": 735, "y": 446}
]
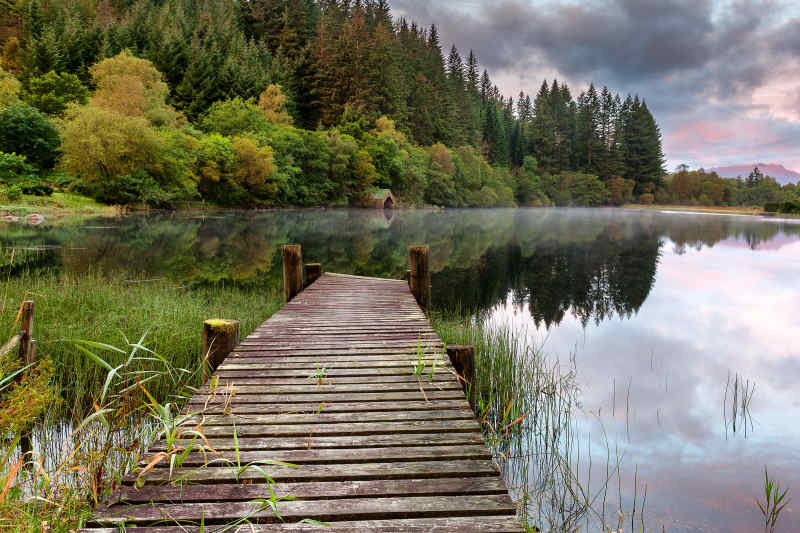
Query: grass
[
  {"x": 58, "y": 202},
  {"x": 100, "y": 405},
  {"x": 774, "y": 502},
  {"x": 115, "y": 310}
]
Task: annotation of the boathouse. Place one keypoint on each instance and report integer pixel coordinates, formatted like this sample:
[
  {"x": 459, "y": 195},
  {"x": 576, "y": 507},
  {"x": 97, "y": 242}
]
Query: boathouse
[{"x": 383, "y": 199}]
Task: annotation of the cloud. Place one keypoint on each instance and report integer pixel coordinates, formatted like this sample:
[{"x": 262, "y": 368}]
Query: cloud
[{"x": 700, "y": 64}]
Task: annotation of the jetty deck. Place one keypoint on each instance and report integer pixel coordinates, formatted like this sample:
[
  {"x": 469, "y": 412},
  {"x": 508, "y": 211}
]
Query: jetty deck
[{"x": 328, "y": 384}]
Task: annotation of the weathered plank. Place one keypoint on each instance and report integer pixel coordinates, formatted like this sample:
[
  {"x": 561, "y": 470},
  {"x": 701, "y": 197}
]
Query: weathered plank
[
  {"x": 337, "y": 455},
  {"x": 313, "y": 442},
  {"x": 313, "y": 490},
  {"x": 488, "y": 524},
  {"x": 322, "y": 510}
]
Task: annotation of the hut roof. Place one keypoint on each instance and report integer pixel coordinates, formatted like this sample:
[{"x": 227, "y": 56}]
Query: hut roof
[{"x": 381, "y": 194}]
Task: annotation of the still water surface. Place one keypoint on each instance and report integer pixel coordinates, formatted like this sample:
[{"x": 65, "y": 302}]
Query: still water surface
[{"x": 658, "y": 313}]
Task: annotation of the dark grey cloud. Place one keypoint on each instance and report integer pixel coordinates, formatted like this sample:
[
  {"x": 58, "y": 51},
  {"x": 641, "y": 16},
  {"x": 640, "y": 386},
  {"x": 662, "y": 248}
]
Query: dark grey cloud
[{"x": 688, "y": 58}]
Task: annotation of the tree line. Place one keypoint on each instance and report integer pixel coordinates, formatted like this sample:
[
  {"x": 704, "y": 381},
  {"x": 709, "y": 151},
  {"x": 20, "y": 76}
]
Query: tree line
[
  {"x": 296, "y": 102},
  {"x": 698, "y": 187}
]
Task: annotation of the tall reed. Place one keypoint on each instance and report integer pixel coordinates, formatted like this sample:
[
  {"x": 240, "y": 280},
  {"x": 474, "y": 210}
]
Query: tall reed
[{"x": 527, "y": 402}]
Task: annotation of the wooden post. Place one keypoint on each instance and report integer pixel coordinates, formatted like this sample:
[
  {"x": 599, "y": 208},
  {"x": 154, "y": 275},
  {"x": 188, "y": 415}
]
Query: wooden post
[
  {"x": 292, "y": 271},
  {"x": 463, "y": 360},
  {"x": 220, "y": 337},
  {"x": 26, "y": 352},
  {"x": 313, "y": 272},
  {"x": 408, "y": 278},
  {"x": 420, "y": 275}
]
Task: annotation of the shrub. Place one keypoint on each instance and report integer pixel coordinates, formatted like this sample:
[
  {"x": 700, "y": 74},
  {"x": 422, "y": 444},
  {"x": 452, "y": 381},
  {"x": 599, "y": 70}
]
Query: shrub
[
  {"x": 138, "y": 187},
  {"x": 13, "y": 193},
  {"x": 14, "y": 169},
  {"x": 26, "y": 131},
  {"x": 234, "y": 117},
  {"x": 646, "y": 198},
  {"x": 772, "y": 207},
  {"x": 53, "y": 92},
  {"x": 9, "y": 89},
  {"x": 36, "y": 188}
]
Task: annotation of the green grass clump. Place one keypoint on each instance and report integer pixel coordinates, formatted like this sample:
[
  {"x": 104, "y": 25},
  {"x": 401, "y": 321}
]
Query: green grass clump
[{"x": 115, "y": 310}]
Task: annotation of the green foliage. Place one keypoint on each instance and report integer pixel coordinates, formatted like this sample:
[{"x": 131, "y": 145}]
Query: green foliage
[
  {"x": 442, "y": 133},
  {"x": 233, "y": 117},
  {"x": 53, "y": 92},
  {"x": 575, "y": 188},
  {"x": 13, "y": 193},
  {"x": 122, "y": 159},
  {"x": 698, "y": 187},
  {"x": 14, "y": 169},
  {"x": 26, "y": 131},
  {"x": 528, "y": 188},
  {"x": 9, "y": 89}
]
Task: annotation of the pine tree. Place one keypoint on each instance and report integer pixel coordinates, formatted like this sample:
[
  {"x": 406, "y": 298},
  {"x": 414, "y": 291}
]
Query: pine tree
[{"x": 472, "y": 75}]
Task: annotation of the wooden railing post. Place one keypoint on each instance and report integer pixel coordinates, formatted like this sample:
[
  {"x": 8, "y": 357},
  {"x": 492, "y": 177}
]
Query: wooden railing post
[
  {"x": 292, "y": 271},
  {"x": 220, "y": 337},
  {"x": 420, "y": 280},
  {"x": 27, "y": 345},
  {"x": 463, "y": 360},
  {"x": 313, "y": 272}
]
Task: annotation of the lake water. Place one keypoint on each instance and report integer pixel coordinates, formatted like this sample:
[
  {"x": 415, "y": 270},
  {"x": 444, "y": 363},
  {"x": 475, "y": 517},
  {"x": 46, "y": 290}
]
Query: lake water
[{"x": 662, "y": 316}]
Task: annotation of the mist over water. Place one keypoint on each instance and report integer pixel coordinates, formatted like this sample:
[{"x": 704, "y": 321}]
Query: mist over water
[{"x": 662, "y": 315}]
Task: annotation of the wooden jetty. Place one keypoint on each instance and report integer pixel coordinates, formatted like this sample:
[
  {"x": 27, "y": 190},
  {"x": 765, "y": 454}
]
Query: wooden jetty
[{"x": 349, "y": 383}]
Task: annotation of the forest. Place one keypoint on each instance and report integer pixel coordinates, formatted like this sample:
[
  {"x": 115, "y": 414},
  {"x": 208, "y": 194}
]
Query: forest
[{"x": 294, "y": 102}]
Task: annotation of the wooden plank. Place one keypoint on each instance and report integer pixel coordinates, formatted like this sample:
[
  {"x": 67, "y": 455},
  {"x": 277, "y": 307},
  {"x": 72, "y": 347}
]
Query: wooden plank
[
  {"x": 322, "y": 510},
  {"x": 315, "y": 490},
  {"x": 482, "y": 524},
  {"x": 201, "y": 399},
  {"x": 333, "y": 472},
  {"x": 330, "y": 407},
  {"x": 342, "y": 428},
  {"x": 337, "y": 388},
  {"x": 328, "y": 418},
  {"x": 337, "y": 455},
  {"x": 310, "y": 379},
  {"x": 315, "y": 442}
]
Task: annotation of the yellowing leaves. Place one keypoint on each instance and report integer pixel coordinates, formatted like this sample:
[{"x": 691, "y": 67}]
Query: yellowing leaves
[
  {"x": 132, "y": 87},
  {"x": 272, "y": 103}
]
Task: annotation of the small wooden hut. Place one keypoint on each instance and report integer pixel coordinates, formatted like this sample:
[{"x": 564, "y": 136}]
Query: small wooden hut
[{"x": 383, "y": 199}]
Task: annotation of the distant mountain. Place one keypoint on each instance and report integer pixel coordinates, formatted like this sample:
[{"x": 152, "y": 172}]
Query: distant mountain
[{"x": 780, "y": 173}]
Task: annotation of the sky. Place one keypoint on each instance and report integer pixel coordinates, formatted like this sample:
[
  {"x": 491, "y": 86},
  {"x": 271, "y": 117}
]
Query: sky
[{"x": 721, "y": 77}]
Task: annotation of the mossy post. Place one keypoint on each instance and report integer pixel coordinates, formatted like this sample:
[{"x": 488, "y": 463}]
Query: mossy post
[
  {"x": 292, "y": 271},
  {"x": 463, "y": 360},
  {"x": 313, "y": 272},
  {"x": 420, "y": 281},
  {"x": 220, "y": 337},
  {"x": 27, "y": 347}
]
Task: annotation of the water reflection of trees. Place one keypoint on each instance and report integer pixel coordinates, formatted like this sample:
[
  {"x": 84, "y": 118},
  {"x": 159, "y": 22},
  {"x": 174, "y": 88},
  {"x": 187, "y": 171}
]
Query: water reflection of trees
[
  {"x": 593, "y": 271},
  {"x": 592, "y": 263}
]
